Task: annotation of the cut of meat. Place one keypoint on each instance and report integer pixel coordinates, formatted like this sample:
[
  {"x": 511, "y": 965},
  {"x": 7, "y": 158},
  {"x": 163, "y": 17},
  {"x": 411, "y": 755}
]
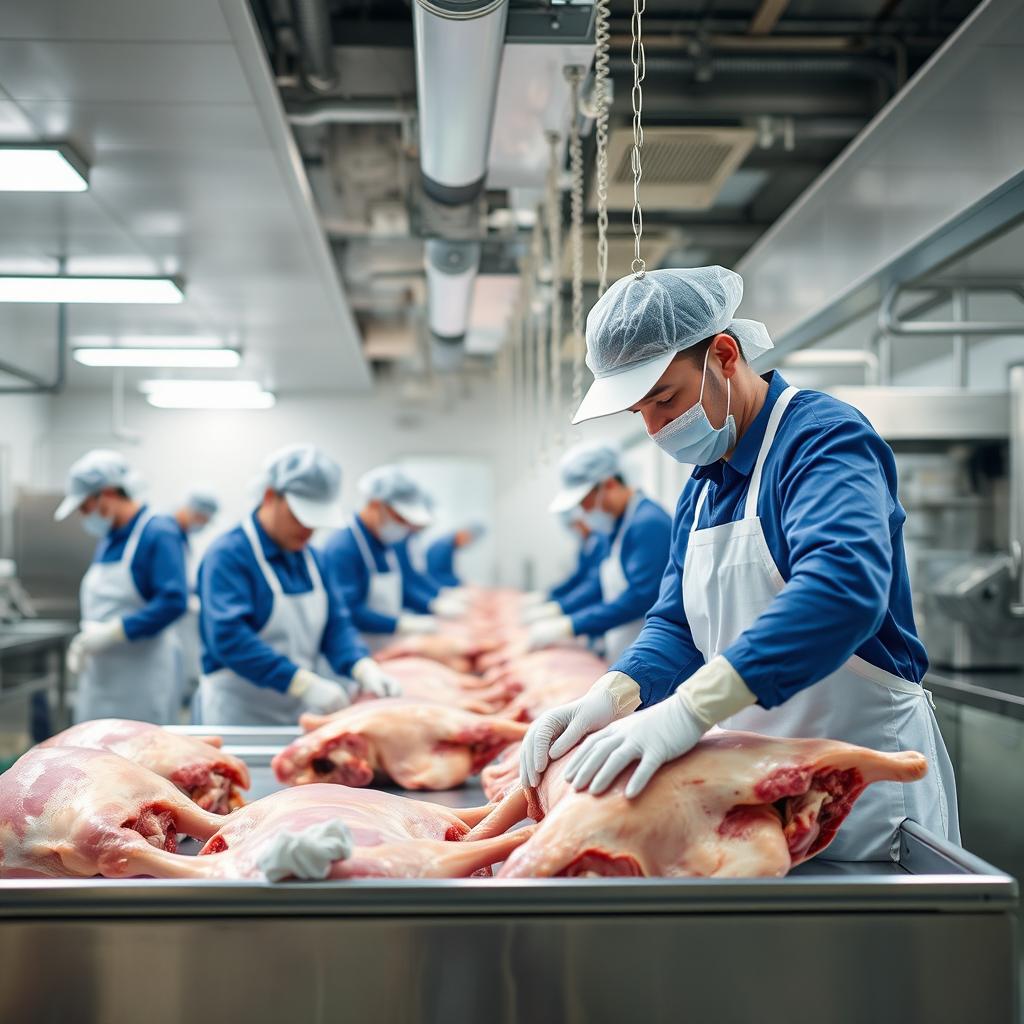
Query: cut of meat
[
  {"x": 739, "y": 805},
  {"x": 393, "y": 836},
  {"x": 501, "y": 776},
  {"x": 547, "y": 679},
  {"x": 419, "y": 746},
  {"x": 198, "y": 767},
  {"x": 455, "y": 648},
  {"x": 69, "y": 812}
]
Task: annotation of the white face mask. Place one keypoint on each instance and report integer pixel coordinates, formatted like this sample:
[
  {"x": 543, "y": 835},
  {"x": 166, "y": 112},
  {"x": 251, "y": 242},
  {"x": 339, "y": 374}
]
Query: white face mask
[
  {"x": 598, "y": 519},
  {"x": 690, "y": 438},
  {"x": 392, "y": 532},
  {"x": 97, "y": 525}
]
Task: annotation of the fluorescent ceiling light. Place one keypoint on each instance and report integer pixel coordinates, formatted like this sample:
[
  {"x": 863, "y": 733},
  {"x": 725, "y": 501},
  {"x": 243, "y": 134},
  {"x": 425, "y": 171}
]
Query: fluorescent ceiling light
[
  {"x": 207, "y": 394},
  {"x": 41, "y": 169},
  {"x": 175, "y": 358},
  {"x": 52, "y": 288}
]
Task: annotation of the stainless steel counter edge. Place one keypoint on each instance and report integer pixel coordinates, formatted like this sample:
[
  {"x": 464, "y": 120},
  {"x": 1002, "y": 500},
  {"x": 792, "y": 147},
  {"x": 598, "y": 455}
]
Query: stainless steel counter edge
[
  {"x": 987, "y": 691},
  {"x": 545, "y": 897}
]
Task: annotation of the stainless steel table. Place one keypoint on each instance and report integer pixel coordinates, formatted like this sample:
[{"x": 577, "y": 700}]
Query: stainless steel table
[{"x": 931, "y": 939}]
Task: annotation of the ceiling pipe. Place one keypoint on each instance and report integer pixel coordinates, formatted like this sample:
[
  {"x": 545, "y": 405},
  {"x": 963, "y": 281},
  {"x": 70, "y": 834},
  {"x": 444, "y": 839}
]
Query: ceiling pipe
[
  {"x": 458, "y": 45},
  {"x": 316, "y": 45},
  {"x": 326, "y": 112}
]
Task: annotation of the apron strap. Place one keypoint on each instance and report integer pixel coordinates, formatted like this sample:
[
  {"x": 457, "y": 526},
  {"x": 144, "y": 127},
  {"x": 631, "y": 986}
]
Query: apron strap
[
  {"x": 627, "y": 518},
  {"x": 774, "y": 419},
  {"x": 249, "y": 529},
  {"x": 364, "y": 549},
  {"x": 699, "y": 506},
  {"x": 132, "y": 544}
]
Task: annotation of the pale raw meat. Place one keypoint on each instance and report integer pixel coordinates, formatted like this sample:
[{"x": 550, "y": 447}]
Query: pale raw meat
[
  {"x": 424, "y": 680},
  {"x": 454, "y": 648},
  {"x": 547, "y": 679},
  {"x": 738, "y": 805},
  {"x": 418, "y": 746},
  {"x": 70, "y": 812},
  {"x": 501, "y": 776},
  {"x": 203, "y": 772},
  {"x": 394, "y": 836}
]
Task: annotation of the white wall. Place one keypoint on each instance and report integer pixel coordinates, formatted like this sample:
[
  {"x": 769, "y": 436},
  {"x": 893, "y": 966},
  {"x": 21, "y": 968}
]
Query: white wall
[{"x": 23, "y": 422}]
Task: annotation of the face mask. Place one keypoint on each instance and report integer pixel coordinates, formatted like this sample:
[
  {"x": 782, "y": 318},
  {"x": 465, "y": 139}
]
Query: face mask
[
  {"x": 691, "y": 439},
  {"x": 392, "y": 533},
  {"x": 598, "y": 520},
  {"x": 96, "y": 525}
]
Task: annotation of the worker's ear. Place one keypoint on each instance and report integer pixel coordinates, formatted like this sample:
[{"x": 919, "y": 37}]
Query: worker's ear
[{"x": 727, "y": 350}]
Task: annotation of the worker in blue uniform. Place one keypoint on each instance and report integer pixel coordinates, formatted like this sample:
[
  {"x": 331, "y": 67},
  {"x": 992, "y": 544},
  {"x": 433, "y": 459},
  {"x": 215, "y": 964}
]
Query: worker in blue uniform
[
  {"x": 582, "y": 586},
  {"x": 269, "y": 616},
  {"x": 785, "y": 608},
  {"x": 369, "y": 562},
  {"x": 440, "y": 553},
  {"x": 636, "y": 532},
  {"x": 127, "y": 654}
]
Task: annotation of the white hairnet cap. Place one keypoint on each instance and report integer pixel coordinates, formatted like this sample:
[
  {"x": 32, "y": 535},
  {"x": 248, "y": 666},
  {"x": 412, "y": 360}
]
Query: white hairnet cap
[
  {"x": 639, "y": 324},
  {"x": 94, "y": 472},
  {"x": 399, "y": 492},
  {"x": 582, "y": 468},
  {"x": 310, "y": 482},
  {"x": 203, "y": 503}
]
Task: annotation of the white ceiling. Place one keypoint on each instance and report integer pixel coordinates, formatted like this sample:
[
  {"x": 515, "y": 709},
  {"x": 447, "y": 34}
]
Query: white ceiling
[{"x": 193, "y": 172}]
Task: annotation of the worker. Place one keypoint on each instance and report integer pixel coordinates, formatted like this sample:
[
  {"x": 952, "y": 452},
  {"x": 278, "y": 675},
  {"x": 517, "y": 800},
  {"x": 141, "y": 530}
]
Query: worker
[
  {"x": 786, "y": 606},
  {"x": 192, "y": 516},
  {"x": 636, "y": 533},
  {"x": 440, "y": 553},
  {"x": 369, "y": 561},
  {"x": 127, "y": 655},
  {"x": 268, "y": 613},
  {"x": 582, "y": 586}
]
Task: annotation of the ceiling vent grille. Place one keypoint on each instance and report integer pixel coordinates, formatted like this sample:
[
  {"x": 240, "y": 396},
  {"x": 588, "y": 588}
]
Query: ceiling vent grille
[{"x": 683, "y": 168}]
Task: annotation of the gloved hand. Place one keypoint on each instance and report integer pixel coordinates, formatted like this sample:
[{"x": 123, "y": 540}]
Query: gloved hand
[
  {"x": 531, "y": 597},
  {"x": 319, "y": 695},
  {"x": 549, "y": 631},
  {"x": 194, "y": 605},
  {"x": 93, "y": 638},
  {"x": 448, "y": 606},
  {"x": 307, "y": 854},
  {"x": 557, "y": 731},
  {"x": 661, "y": 733},
  {"x": 538, "y": 612},
  {"x": 417, "y": 625},
  {"x": 374, "y": 680}
]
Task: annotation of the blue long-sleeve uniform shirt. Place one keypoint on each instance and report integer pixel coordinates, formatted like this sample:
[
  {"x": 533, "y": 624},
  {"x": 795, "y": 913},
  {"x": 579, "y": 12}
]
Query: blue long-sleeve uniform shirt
[
  {"x": 158, "y": 571},
  {"x": 236, "y": 603},
  {"x": 344, "y": 564},
  {"x": 418, "y": 588},
  {"x": 645, "y": 549},
  {"x": 834, "y": 527},
  {"x": 440, "y": 559},
  {"x": 583, "y": 586}
]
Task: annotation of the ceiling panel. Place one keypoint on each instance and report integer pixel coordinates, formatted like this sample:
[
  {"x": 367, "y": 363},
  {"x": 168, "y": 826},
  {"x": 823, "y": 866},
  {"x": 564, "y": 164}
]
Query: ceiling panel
[{"x": 120, "y": 72}]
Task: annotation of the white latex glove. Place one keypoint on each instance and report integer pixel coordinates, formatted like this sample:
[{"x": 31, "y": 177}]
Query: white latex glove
[
  {"x": 374, "y": 680},
  {"x": 661, "y": 733},
  {"x": 549, "y": 631},
  {"x": 557, "y": 731},
  {"x": 539, "y": 612},
  {"x": 93, "y": 638},
  {"x": 417, "y": 625},
  {"x": 447, "y": 606},
  {"x": 194, "y": 605},
  {"x": 319, "y": 695},
  {"x": 308, "y": 854},
  {"x": 532, "y": 597}
]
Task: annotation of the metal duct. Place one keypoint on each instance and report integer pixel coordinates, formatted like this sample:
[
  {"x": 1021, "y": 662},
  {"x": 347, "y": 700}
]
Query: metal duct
[
  {"x": 1017, "y": 484},
  {"x": 458, "y": 60},
  {"x": 322, "y": 112},
  {"x": 451, "y": 270},
  {"x": 313, "y": 27}
]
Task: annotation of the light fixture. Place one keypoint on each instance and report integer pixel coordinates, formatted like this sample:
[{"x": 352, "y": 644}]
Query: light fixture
[
  {"x": 207, "y": 394},
  {"x": 172, "y": 358},
  {"x": 42, "y": 168},
  {"x": 63, "y": 288}
]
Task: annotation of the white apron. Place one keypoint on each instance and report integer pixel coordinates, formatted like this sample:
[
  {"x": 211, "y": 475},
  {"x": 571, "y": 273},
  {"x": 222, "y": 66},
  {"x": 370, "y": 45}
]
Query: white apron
[
  {"x": 729, "y": 579},
  {"x": 295, "y": 628},
  {"x": 384, "y": 592},
  {"x": 188, "y": 632},
  {"x": 614, "y": 584},
  {"x": 137, "y": 679}
]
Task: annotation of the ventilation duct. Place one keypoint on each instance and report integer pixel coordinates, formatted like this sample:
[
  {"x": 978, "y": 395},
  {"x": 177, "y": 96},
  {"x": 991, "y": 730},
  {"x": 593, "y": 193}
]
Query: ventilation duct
[{"x": 451, "y": 272}]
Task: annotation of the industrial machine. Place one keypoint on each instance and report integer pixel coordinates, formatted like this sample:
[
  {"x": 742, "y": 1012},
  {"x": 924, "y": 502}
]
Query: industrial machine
[{"x": 929, "y": 939}]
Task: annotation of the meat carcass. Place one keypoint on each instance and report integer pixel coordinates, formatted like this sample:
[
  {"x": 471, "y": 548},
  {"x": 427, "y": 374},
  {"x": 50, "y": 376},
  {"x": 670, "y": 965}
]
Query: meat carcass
[
  {"x": 454, "y": 648},
  {"x": 547, "y": 679},
  {"x": 501, "y": 776},
  {"x": 429, "y": 681},
  {"x": 419, "y": 746},
  {"x": 203, "y": 772},
  {"x": 71, "y": 812},
  {"x": 738, "y": 805},
  {"x": 393, "y": 836}
]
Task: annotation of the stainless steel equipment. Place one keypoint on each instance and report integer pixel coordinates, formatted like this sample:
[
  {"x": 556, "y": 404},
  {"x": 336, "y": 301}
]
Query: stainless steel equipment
[{"x": 930, "y": 939}]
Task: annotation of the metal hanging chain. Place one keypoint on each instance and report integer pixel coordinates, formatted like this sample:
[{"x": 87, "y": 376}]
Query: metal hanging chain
[
  {"x": 537, "y": 317},
  {"x": 636, "y": 56},
  {"x": 602, "y": 36},
  {"x": 575, "y": 76},
  {"x": 554, "y": 210}
]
